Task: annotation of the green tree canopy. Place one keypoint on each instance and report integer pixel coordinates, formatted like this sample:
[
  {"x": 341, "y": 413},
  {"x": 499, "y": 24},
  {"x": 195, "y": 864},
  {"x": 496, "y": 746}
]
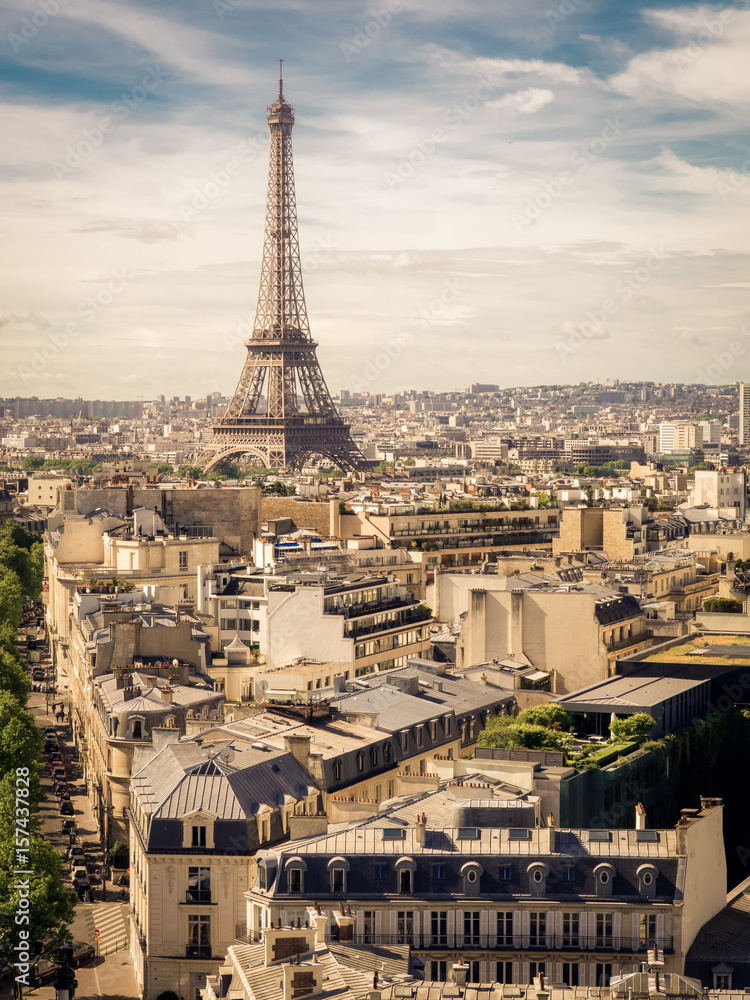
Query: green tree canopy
[
  {"x": 505, "y": 732},
  {"x": 14, "y": 677},
  {"x": 632, "y": 727},
  {"x": 194, "y": 471},
  {"x": 20, "y": 737},
  {"x": 551, "y": 716},
  {"x": 51, "y": 905}
]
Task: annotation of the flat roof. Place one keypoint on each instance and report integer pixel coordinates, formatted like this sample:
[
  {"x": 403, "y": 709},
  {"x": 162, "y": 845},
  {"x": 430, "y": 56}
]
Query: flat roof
[
  {"x": 629, "y": 691},
  {"x": 729, "y": 649}
]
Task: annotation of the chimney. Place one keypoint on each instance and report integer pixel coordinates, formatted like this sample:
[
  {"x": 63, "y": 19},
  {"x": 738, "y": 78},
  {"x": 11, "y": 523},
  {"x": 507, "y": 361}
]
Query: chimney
[
  {"x": 421, "y": 829},
  {"x": 167, "y": 694},
  {"x": 299, "y": 748},
  {"x": 460, "y": 972},
  {"x": 640, "y": 816},
  {"x": 319, "y": 920},
  {"x": 128, "y": 693}
]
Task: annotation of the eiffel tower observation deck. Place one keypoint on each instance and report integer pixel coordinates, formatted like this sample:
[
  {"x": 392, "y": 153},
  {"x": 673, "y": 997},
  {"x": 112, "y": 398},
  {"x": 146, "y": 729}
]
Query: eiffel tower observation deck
[{"x": 281, "y": 414}]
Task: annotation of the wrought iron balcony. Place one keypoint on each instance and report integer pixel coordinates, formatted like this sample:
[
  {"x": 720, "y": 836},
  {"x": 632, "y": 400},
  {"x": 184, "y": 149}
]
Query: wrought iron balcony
[
  {"x": 523, "y": 942},
  {"x": 198, "y": 951},
  {"x": 198, "y": 896}
]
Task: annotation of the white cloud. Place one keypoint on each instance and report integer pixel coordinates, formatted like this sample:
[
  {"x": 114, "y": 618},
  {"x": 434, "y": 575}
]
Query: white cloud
[{"x": 523, "y": 102}]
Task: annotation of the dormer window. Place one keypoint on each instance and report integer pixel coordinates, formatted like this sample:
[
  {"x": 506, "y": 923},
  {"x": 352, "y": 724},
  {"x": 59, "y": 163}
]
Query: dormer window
[
  {"x": 647, "y": 875},
  {"x": 337, "y": 770},
  {"x": 604, "y": 874},
  {"x": 538, "y": 873},
  {"x": 339, "y": 869},
  {"x": 472, "y": 873},
  {"x": 360, "y": 761},
  {"x": 198, "y": 831},
  {"x": 295, "y": 875},
  {"x": 198, "y": 836}
]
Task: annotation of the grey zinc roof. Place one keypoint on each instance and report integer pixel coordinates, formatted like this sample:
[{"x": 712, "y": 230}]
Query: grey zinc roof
[
  {"x": 182, "y": 778},
  {"x": 399, "y": 710}
]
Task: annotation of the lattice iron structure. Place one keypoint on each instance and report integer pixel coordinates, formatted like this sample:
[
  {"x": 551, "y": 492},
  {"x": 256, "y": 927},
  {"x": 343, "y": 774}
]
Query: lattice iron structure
[{"x": 300, "y": 419}]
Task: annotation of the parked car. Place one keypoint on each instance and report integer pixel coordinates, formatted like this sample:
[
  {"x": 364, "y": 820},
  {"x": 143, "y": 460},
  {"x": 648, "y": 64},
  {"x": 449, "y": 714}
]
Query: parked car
[
  {"x": 79, "y": 870},
  {"x": 83, "y": 953},
  {"x": 67, "y": 825},
  {"x": 66, "y": 808},
  {"x": 42, "y": 971}
]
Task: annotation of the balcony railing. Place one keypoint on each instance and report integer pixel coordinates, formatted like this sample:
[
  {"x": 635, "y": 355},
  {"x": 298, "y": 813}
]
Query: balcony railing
[
  {"x": 371, "y": 607},
  {"x": 523, "y": 942},
  {"x": 198, "y": 896},
  {"x": 198, "y": 951}
]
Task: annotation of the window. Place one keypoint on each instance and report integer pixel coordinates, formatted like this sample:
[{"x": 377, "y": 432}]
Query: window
[
  {"x": 439, "y": 971},
  {"x": 183, "y": 559},
  {"x": 199, "y": 936},
  {"x": 519, "y": 834},
  {"x": 448, "y": 725},
  {"x": 438, "y": 871},
  {"x": 439, "y": 927},
  {"x": 420, "y": 736},
  {"x": 337, "y": 770},
  {"x": 571, "y": 974},
  {"x": 199, "y": 836},
  {"x": 374, "y": 756},
  {"x": 391, "y": 787},
  {"x": 360, "y": 761},
  {"x": 603, "y": 973},
  {"x": 536, "y": 969},
  {"x": 405, "y": 926},
  {"x": 404, "y": 880},
  {"x": 337, "y": 880},
  {"x": 137, "y": 729},
  {"x": 571, "y": 930},
  {"x": 404, "y": 742},
  {"x": 505, "y": 928},
  {"x": 647, "y": 928},
  {"x": 368, "y": 931},
  {"x": 295, "y": 880},
  {"x": 471, "y": 927},
  {"x": 537, "y": 930},
  {"x": 505, "y": 873},
  {"x": 387, "y": 753},
  {"x": 393, "y": 834},
  {"x": 722, "y": 979},
  {"x": 380, "y": 872},
  {"x": 569, "y": 873},
  {"x": 504, "y": 972},
  {"x": 433, "y": 731},
  {"x": 262, "y": 876},
  {"x": 599, "y": 835},
  {"x": 468, "y": 833},
  {"x": 604, "y": 933},
  {"x": 648, "y": 836},
  {"x": 199, "y": 885}
]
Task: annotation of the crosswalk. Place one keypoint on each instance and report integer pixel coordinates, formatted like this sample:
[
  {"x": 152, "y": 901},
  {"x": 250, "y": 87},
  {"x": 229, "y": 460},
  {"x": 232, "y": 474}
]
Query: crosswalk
[{"x": 110, "y": 919}]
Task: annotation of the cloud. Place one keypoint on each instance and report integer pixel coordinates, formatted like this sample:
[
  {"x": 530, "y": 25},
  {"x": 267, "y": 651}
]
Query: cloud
[
  {"x": 706, "y": 67},
  {"x": 143, "y": 230},
  {"x": 523, "y": 102}
]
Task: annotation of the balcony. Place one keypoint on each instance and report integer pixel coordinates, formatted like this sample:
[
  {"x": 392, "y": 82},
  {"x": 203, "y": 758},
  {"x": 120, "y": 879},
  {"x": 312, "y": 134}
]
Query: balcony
[
  {"x": 491, "y": 942},
  {"x": 372, "y": 608},
  {"x": 198, "y": 896},
  {"x": 198, "y": 951}
]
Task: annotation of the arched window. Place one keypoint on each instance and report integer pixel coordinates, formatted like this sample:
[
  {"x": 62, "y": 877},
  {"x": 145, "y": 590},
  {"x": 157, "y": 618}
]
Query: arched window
[
  {"x": 374, "y": 756},
  {"x": 387, "y": 753},
  {"x": 360, "y": 761},
  {"x": 337, "y": 770}
]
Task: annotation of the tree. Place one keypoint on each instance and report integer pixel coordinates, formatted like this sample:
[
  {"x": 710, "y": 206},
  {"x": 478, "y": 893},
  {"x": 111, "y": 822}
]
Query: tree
[
  {"x": 503, "y": 731},
  {"x": 32, "y": 463},
  {"x": 632, "y": 727},
  {"x": 20, "y": 737},
  {"x": 723, "y": 604},
  {"x": 551, "y": 716},
  {"x": 48, "y": 908},
  {"x": 163, "y": 468},
  {"x": 194, "y": 471},
  {"x": 11, "y": 599},
  {"x": 14, "y": 677}
]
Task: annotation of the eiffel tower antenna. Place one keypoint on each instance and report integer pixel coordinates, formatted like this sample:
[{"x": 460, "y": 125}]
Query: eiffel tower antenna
[{"x": 299, "y": 419}]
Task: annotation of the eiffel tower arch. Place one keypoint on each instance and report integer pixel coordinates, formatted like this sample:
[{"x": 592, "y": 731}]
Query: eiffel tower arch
[{"x": 281, "y": 412}]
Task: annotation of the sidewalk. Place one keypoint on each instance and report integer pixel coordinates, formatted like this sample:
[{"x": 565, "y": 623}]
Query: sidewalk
[{"x": 113, "y": 976}]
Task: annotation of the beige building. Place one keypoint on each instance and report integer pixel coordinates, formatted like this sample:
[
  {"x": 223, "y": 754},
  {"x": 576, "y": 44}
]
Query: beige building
[
  {"x": 573, "y": 635},
  {"x": 721, "y": 490}
]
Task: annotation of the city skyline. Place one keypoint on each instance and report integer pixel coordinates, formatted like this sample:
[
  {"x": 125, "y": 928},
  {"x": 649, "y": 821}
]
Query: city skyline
[{"x": 522, "y": 197}]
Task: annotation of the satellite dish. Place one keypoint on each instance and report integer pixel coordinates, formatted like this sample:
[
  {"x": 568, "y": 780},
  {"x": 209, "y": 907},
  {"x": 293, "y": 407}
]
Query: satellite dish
[{"x": 226, "y": 756}]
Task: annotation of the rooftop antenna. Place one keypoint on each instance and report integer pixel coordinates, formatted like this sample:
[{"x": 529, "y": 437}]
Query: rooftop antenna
[{"x": 281, "y": 82}]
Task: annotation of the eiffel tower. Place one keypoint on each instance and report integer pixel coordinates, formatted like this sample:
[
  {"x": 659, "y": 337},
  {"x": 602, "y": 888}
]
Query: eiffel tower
[{"x": 299, "y": 419}]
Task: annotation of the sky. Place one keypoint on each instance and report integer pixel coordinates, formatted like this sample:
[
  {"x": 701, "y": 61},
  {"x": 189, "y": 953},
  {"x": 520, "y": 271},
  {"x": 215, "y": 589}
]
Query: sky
[{"x": 508, "y": 191}]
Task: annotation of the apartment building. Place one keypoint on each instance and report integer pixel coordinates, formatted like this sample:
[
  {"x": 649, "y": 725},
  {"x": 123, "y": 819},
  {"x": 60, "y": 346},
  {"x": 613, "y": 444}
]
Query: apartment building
[
  {"x": 200, "y": 809},
  {"x": 472, "y": 880}
]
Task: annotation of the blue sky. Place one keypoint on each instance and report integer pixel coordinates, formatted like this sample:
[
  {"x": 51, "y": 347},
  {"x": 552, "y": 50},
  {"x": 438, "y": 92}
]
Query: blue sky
[{"x": 516, "y": 192}]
